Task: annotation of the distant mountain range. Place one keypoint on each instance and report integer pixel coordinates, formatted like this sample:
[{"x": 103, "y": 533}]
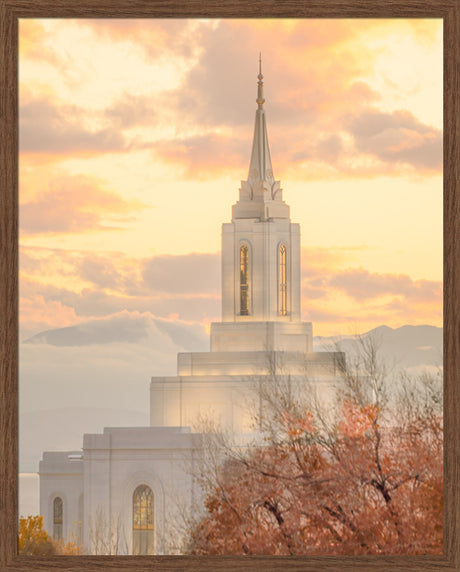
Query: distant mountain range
[
  {"x": 79, "y": 379},
  {"x": 126, "y": 329},
  {"x": 407, "y": 346}
]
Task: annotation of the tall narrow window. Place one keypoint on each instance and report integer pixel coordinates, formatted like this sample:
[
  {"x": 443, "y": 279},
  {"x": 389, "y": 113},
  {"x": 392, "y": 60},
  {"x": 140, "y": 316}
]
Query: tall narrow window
[
  {"x": 244, "y": 280},
  {"x": 283, "y": 281},
  {"x": 143, "y": 520},
  {"x": 57, "y": 518}
]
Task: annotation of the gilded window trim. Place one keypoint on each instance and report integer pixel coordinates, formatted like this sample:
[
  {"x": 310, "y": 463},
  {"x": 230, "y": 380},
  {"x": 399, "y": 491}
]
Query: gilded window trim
[{"x": 283, "y": 305}]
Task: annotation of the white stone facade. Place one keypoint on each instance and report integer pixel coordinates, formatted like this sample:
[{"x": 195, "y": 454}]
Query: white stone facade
[
  {"x": 261, "y": 326},
  {"x": 61, "y": 476},
  {"x": 97, "y": 489}
]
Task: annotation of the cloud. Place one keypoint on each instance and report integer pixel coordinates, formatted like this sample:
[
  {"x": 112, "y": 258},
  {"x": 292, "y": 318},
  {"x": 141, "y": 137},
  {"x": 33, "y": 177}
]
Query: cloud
[
  {"x": 127, "y": 327},
  {"x": 80, "y": 367},
  {"x": 206, "y": 156},
  {"x": 33, "y": 42},
  {"x": 219, "y": 88},
  {"x": 132, "y": 110},
  {"x": 97, "y": 303},
  {"x": 417, "y": 311},
  {"x": 74, "y": 204},
  {"x": 329, "y": 147},
  {"x": 188, "y": 274},
  {"x": 191, "y": 273},
  {"x": 106, "y": 363},
  {"x": 96, "y": 285},
  {"x": 307, "y": 102},
  {"x": 361, "y": 284},
  {"x": 212, "y": 112},
  {"x": 38, "y": 313},
  {"x": 295, "y": 87},
  {"x": 202, "y": 120},
  {"x": 316, "y": 259},
  {"x": 337, "y": 297},
  {"x": 46, "y": 127},
  {"x": 323, "y": 272},
  {"x": 101, "y": 271},
  {"x": 155, "y": 37},
  {"x": 188, "y": 287},
  {"x": 319, "y": 264},
  {"x": 397, "y": 137}
]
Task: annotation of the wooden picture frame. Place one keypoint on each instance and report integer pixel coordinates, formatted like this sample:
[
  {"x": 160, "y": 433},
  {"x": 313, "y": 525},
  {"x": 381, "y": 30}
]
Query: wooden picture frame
[{"x": 10, "y": 12}]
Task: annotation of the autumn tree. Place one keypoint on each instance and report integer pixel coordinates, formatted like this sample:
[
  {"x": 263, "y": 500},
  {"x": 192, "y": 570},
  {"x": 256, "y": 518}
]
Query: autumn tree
[
  {"x": 33, "y": 540},
  {"x": 363, "y": 478}
]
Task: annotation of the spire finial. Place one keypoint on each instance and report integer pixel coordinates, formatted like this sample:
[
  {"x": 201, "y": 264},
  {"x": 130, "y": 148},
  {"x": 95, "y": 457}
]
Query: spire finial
[
  {"x": 260, "y": 176},
  {"x": 260, "y": 85}
]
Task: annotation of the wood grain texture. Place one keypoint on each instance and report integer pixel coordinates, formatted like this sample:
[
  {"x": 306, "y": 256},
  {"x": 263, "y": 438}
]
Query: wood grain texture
[
  {"x": 229, "y": 8},
  {"x": 8, "y": 290},
  {"x": 452, "y": 286},
  {"x": 10, "y": 11}
]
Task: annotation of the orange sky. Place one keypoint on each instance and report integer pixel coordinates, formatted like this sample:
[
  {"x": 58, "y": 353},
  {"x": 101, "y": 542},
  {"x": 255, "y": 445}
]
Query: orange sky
[{"x": 135, "y": 134}]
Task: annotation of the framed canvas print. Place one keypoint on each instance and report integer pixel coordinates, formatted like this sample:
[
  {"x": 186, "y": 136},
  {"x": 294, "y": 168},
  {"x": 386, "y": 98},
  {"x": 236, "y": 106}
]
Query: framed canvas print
[{"x": 229, "y": 306}]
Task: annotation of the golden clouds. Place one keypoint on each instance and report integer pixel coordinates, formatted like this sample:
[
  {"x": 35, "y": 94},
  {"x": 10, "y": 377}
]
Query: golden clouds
[
  {"x": 361, "y": 284},
  {"x": 398, "y": 137},
  {"x": 75, "y": 204},
  {"x": 33, "y": 43},
  {"x": 48, "y": 128},
  {"x": 39, "y": 314},
  {"x": 120, "y": 114},
  {"x": 336, "y": 295},
  {"x": 205, "y": 156},
  {"x": 32, "y": 34},
  {"x": 195, "y": 77},
  {"x": 80, "y": 285},
  {"x": 76, "y": 285}
]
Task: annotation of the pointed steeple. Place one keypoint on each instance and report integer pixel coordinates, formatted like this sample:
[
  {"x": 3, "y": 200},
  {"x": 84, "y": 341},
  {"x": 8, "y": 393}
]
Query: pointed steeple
[
  {"x": 260, "y": 167},
  {"x": 260, "y": 195},
  {"x": 260, "y": 85}
]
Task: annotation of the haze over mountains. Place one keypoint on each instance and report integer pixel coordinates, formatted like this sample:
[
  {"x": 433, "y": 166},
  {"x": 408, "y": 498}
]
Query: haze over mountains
[
  {"x": 81, "y": 378},
  {"x": 407, "y": 346},
  {"x": 132, "y": 327}
]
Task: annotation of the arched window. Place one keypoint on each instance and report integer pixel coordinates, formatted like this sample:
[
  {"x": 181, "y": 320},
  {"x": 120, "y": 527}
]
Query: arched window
[
  {"x": 283, "y": 281},
  {"x": 143, "y": 520},
  {"x": 244, "y": 280},
  {"x": 57, "y": 518}
]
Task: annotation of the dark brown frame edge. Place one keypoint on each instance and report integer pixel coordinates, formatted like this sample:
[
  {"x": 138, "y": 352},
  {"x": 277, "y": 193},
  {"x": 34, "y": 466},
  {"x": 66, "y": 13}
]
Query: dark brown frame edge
[{"x": 10, "y": 11}]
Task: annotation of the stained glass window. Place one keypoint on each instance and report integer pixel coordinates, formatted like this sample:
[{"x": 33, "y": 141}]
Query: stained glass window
[
  {"x": 244, "y": 280},
  {"x": 283, "y": 281},
  {"x": 143, "y": 520},
  {"x": 57, "y": 518}
]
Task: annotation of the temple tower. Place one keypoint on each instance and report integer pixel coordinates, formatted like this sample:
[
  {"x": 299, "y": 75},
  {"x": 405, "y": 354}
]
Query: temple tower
[
  {"x": 261, "y": 315},
  {"x": 260, "y": 259}
]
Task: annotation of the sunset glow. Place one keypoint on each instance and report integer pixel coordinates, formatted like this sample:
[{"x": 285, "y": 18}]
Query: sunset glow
[{"x": 135, "y": 134}]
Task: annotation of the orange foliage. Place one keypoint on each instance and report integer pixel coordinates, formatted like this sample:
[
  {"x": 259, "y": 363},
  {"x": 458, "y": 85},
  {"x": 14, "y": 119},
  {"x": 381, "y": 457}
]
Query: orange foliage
[
  {"x": 362, "y": 488},
  {"x": 34, "y": 541}
]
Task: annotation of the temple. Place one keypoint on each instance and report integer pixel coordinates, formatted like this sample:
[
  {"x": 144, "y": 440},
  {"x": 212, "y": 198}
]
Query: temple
[{"x": 129, "y": 483}]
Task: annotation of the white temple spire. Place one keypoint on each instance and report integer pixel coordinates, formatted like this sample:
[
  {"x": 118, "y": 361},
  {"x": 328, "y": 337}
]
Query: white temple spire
[
  {"x": 260, "y": 196},
  {"x": 260, "y": 167}
]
